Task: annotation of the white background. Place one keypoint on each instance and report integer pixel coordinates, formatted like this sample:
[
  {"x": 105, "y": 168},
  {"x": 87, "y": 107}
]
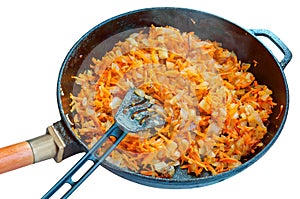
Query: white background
[{"x": 36, "y": 36}]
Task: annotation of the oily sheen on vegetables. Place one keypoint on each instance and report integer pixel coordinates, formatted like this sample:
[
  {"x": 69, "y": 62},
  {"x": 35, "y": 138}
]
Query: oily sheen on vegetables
[{"x": 216, "y": 113}]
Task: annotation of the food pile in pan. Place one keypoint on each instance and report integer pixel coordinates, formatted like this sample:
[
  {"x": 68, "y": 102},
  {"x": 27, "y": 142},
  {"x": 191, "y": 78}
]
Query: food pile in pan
[{"x": 216, "y": 113}]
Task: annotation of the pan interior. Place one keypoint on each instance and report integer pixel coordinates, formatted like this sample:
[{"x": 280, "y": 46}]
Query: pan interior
[{"x": 101, "y": 39}]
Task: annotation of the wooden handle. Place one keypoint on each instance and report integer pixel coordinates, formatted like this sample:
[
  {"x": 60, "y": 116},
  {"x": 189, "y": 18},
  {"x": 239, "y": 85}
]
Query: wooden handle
[{"x": 15, "y": 156}]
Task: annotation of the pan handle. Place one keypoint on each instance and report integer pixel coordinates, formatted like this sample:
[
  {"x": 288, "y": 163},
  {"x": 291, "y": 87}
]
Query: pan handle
[
  {"x": 15, "y": 156},
  {"x": 26, "y": 153},
  {"x": 91, "y": 155},
  {"x": 282, "y": 47},
  {"x": 50, "y": 145}
]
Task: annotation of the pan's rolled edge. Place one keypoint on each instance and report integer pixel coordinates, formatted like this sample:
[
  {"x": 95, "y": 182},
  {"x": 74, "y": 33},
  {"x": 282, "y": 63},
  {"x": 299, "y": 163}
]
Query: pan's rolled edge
[{"x": 15, "y": 156}]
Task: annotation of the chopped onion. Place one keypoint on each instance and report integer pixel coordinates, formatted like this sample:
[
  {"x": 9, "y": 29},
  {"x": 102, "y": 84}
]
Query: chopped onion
[
  {"x": 115, "y": 103},
  {"x": 163, "y": 53}
]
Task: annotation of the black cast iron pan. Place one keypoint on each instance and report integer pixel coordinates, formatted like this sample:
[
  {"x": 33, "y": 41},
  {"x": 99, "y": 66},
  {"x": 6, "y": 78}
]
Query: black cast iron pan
[{"x": 60, "y": 141}]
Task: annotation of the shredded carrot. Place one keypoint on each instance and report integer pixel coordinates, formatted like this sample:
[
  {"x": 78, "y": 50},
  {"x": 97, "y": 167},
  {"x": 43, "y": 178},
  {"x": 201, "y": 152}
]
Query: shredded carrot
[
  {"x": 255, "y": 63},
  {"x": 280, "y": 112},
  {"x": 215, "y": 111}
]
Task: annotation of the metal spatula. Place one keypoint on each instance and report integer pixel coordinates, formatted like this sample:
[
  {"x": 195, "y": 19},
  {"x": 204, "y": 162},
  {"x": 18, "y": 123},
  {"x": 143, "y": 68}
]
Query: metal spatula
[{"x": 137, "y": 112}]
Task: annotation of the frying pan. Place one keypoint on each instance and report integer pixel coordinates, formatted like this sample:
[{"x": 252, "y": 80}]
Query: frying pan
[{"x": 60, "y": 141}]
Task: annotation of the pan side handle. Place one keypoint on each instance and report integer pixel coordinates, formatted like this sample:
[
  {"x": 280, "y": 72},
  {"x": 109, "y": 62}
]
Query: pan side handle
[{"x": 282, "y": 47}]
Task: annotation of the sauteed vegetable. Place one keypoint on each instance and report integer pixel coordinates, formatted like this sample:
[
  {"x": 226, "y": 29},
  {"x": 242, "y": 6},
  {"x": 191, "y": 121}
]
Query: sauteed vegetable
[{"x": 216, "y": 113}]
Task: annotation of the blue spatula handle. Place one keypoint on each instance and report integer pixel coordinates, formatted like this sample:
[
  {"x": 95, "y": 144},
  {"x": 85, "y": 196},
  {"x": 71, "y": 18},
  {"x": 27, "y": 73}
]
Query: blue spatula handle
[{"x": 91, "y": 155}]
